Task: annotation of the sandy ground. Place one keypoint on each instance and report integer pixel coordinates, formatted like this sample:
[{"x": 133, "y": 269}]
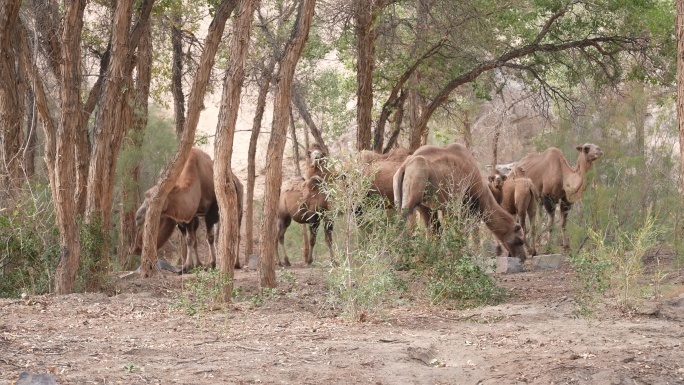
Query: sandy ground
[{"x": 138, "y": 337}]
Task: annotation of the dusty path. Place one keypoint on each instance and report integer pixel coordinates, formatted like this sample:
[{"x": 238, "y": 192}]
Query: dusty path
[{"x": 136, "y": 337}]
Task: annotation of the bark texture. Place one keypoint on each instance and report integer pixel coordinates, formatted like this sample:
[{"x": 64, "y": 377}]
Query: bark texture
[
  {"x": 274, "y": 156},
  {"x": 226, "y": 195},
  {"x": 680, "y": 82},
  {"x": 196, "y": 104}
]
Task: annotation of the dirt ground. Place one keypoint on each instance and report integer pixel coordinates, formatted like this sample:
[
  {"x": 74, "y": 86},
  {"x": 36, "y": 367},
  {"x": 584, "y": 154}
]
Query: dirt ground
[{"x": 138, "y": 337}]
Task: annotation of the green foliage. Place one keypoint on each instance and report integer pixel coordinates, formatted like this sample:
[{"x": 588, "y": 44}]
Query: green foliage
[
  {"x": 363, "y": 278},
  {"x": 201, "y": 293},
  {"x": 448, "y": 265},
  {"x": 614, "y": 260},
  {"x": 29, "y": 243},
  {"x": 91, "y": 274}
]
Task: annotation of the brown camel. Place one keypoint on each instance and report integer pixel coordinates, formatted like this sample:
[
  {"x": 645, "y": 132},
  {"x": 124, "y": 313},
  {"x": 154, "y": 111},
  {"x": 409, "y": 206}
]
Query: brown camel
[
  {"x": 302, "y": 200},
  {"x": 381, "y": 167},
  {"x": 193, "y": 196},
  {"x": 518, "y": 196},
  {"x": 556, "y": 181},
  {"x": 432, "y": 174}
]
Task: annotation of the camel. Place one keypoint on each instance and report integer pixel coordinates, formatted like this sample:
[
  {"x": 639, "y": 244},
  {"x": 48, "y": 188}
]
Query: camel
[
  {"x": 302, "y": 200},
  {"x": 381, "y": 167},
  {"x": 556, "y": 181},
  {"x": 432, "y": 174},
  {"x": 518, "y": 196},
  {"x": 193, "y": 196}
]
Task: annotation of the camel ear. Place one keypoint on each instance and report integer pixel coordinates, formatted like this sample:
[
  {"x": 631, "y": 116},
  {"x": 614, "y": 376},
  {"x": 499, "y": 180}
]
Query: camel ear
[
  {"x": 517, "y": 227},
  {"x": 491, "y": 178},
  {"x": 578, "y": 148}
]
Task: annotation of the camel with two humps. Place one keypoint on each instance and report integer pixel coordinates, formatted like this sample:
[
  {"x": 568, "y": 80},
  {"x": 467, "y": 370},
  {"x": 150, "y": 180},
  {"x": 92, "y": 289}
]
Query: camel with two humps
[
  {"x": 517, "y": 195},
  {"x": 556, "y": 181},
  {"x": 192, "y": 197},
  {"x": 432, "y": 174},
  {"x": 303, "y": 201}
]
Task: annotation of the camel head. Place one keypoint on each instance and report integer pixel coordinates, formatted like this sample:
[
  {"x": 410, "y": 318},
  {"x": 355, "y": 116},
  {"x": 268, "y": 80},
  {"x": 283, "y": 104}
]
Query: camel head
[
  {"x": 589, "y": 151},
  {"x": 497, "y": 179},
  {"x": 514, "y": 242},
  {"x": 315, "y": 155}
]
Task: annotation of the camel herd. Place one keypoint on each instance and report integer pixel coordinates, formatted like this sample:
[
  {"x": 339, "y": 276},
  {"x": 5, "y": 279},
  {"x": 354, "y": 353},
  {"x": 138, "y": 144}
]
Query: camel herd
[{"x": 427, "y": 181}]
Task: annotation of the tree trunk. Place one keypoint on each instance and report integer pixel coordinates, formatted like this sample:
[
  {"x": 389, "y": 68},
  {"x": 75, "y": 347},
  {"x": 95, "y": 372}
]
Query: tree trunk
[
  {"x": 398, "y": 120},
  {"x": 177, "y": 74},
  {"x": 64, "y": 186},
  {"x": 226, "y": 194},
  {"x": 365, "y": 41},
  {"x": 274, "y": 156},
  {"x": 295, "y": 144},
  {"x": 680, "y": 82},
  {"x": 11, "y": 101},
  {"x": 196, "y": 104},
  {"x": 109, "y": 132},
  {"x": 31, "y": 141},
  {"x": 130, "y": 191},
  {"x": 267, "y": 75},
  {"x": 303, "y": 110}
]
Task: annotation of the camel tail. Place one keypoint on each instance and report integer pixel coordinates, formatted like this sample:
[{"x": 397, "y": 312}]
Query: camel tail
[{"x": 397, "y": 183}]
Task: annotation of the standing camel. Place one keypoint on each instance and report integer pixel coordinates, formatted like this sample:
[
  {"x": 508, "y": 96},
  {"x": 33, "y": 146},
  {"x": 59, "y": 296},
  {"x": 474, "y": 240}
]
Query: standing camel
[
  {"x": 517, "y": 195},
  {"x": 193, "y": 196},
  {"x": 432, "y": 174},
  {"x": 556, "y": 181},
  {"x": 303, "y": 201}
]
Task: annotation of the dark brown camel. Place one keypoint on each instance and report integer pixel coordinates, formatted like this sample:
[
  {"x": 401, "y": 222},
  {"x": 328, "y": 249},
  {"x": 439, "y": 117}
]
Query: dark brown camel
[
  {"x": 556, "y": 181},
  {"x": 432, "y": 174},
  {"x": 517, "y": 195},
  {"x": 192, "y": 197},
  {"x": 302, "y": 200}
]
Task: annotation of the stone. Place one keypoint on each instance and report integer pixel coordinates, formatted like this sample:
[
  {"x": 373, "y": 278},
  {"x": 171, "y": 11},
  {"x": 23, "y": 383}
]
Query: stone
[
  {"x": 508, "y": 265},
  {"x": 253, "y": 262},
  {"x": 547, "y": 261},
  {"x": 26, "y": 378}
]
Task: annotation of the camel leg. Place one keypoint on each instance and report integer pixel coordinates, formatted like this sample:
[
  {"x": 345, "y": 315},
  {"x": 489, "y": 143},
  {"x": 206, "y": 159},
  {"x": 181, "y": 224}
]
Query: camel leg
[
  {"x": 308, "y": 250},
  {"x": 531, "y": 214},
  {"x": 550, "y": 207},
  {"x": 565, "y": 207},
  {"x": 281, "y": 227},
  {"x": 189, "y": 231},
  {"x": 313, "y": 230},
  {"x": 211, "y": 221},
  {"x": 328, "y": 229}
]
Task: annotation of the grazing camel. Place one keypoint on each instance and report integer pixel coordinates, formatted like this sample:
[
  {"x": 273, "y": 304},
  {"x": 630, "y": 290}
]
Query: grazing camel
[
  {"x": 518, "y": 196},
  {"x": 432, "y": 174},
  {"x": 381, "y": 167},
  {"x": 556, "y": 181},
  {"x": 193, "y": 196},
  {"x": 302, "y": 200}
]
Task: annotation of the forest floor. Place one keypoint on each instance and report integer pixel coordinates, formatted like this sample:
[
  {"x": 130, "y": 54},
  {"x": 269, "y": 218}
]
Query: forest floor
[{"x": 141, "y": 335}]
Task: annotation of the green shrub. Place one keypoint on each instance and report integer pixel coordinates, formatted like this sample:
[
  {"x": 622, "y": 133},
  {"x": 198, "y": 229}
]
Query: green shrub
[{"x": 29, "y": 243}]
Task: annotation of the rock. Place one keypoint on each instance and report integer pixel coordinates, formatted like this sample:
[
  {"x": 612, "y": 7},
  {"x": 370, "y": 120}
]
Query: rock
[
  {"x": 508, "y": 265},
  {"x": 648, "y": 308},
  {"x": 547, "y": 261},
  {"x": 26, "y": 378},
  {"x": 253, "y": 262}
]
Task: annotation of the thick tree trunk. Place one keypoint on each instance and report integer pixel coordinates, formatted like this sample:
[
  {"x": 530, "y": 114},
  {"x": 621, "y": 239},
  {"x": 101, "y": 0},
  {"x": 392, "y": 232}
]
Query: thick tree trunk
[
  {"x": 680, "y": 83},
  {"x": 196, "y": 104},
  {"x": 398, "y": 121},
  {"x": 267, "y": 75},
  {"x": 11, "y": 101},
  {"x": 64, "y": 186},
  {"x": 109, "y": 131},
  {"x": 226, "y": 194},
  {"x": 177, "y": 75},
  {"x": 365, "y": 48},
  {"x": 274, "y": 156}
]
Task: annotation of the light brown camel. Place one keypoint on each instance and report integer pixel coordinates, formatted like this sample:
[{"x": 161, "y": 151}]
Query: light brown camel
[
  {"x": 432, "y": 174},
  {"x": 557, "y": 181},
  {"x": 193, "y": 196},
  {"x": 517, "y": 195},
  {"x": 381, "y": 167},
  {"x": 302, "y": 200}
]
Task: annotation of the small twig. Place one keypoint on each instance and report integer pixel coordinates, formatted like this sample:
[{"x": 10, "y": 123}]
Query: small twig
[{"x": 249, "y": 348}]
